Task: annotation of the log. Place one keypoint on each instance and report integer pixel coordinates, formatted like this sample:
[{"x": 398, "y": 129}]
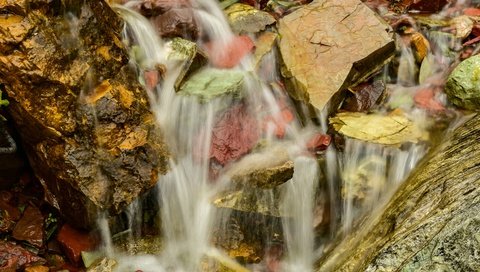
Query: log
[
  {"x": 83, "y": 117},
  {"x": 432, "y": 222}
]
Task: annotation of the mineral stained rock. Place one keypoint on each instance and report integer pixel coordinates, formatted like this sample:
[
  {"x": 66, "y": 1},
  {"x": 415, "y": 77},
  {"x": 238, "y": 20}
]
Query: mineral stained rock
[
  {"x": 328, "y": 45},
  {"x": 432, "y": 222},
  {"x": 463, "y": 87},
  {"x": 83, "y": 117}
]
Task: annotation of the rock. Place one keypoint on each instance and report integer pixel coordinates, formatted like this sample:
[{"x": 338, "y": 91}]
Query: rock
[
  {"x": 234, "y": 134},
  {"x": 176, "y": 22},
  {"x": 151, "y": 8},
  {"x": 30, "y": 228},
  {"x": 103, "y": 265},
  {"x": 318, "y": 142},
  {"x": 74, "y": 242},
  {"x": 263, "y": 45},
  {"x": 9, "y": 213},
  {"x": 211, "y": 83},
  {"x": 431, "y": 223},
  {"x": 13, "y": 257},
  {"x": 420, "y": 46},
  {"x": 190, "y": 57},
  {"x": 425, "y": 6},
  {"x": 230, "y": 54},
  {"x": 266, "y": 169},
  {"x": 251, "y": 200},
  {"x": 246, "y": 19},
  {"x": 462, "y": 86},
  {"x": 329, "y": 45},
  {"x": 37, "y": 268},
  {"x": 392, "y": 129},
  {"x": 363, "y": 97},
  {"x": 82, "y": 114}
]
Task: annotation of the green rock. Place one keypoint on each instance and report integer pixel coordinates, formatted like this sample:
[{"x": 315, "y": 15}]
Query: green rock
[
  {"x": 463, "y": 84},
  {"x": 211, "y": 83}
]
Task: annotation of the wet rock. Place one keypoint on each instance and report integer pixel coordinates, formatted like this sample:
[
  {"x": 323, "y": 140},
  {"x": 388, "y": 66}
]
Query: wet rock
[
  {"x": 234, "y": 135},
  {"x": 13, "y": 257},
  {"x": 78, "y": 106},
  {"x": 246, "y": 19},
  {"x": 329, "y": 45},
  {"x": 229, "y": 55},
  {"x": 177, "y": 22},
  {"x": 425, "y": 6},
  {"x": 104, "y": 265},
  {"x": 37, "y": 268},
  {"x": 264, "y": 45},
  {"x": 211, "y": 83},
  {"x": 151, "y": 8},
  {"x": 462, "y": 86},
  {"x": 9, "y": 212},
  {"x": 30, "y": 227},
  {"x": 420, "y": 45},
  {"x": 74, "y": 242},
  {"x": 392, "y": 129},
  {"x": 252, "y": 200},
  {"x": 266, "y": 169},
  {"x": 318, "y": 142},
  {"x": 364, "y": 97},
  {"x": 431, "y": 223},
  {"x": 190, "y": 57}
]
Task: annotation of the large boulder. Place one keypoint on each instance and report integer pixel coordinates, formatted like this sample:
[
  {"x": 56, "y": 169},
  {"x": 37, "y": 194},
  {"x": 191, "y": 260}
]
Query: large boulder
[
  {"x": 329, "y": 45},
  {"x": 463, "y": 84},
  {"x": 432, "y": 223},
  {"x": 83, "y": 117}
]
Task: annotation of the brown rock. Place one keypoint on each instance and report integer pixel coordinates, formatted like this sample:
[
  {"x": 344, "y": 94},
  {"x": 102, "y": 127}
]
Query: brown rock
[
  {"x": 83, "y": 117},
  {"x": 30, "y": 227},
  {"x": 329, "y": 45},
  {"x": 37, "y": 268},
  {"x": 363, "y": 97},
  {"x": 177, "y": 22}
]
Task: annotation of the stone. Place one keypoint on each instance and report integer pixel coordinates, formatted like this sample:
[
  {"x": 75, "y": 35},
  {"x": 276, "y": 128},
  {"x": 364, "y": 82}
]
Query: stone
[
  {"x": 13, "y": 257},
  {"x": 211, "y": 83},
  {"x": 103, "y": 265},
  {"x": 392, "y": 129},
  {"x": 188, "y": 55},
  {"x": 83, "y": 117},
  {"x": 228, "y": 55},
  {"x": 177, "y": 22},
  {"x": 364, "y": 97},
  {"x": 266, "y": 169},
  {"x": 264, "y": 44},
  {"x": 247, "y": 19},
  {"x": 329, "y": 45},
  {"x": 431, "y": 223},
  {"x": 74, "y": 242},
  {"x": 30, "y": 228},
  {"x": 462, "y": 87},
  {"x": 37, "y": 268}
]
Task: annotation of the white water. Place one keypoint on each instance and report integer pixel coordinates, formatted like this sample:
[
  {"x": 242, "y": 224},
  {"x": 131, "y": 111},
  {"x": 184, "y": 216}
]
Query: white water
[{"x": 186, "y": 192}]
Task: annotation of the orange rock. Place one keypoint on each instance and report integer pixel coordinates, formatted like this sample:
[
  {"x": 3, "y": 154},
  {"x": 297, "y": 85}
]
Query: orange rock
[{"x": 229, "y": 55}]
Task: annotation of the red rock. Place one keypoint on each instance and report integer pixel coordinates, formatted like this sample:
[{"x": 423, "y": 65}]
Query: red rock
[
  {"x": 428, "y": 6},
  {"x": 229, "y": 55},
  {"x": 151, "y": 79},
  {"x": 425, "y": 98},
  {"x": 30, "y": 227},
  {"x": 280, "y": 122},
  {"x": 319, "y": 142},
  {"x": 9, "y": 213},
  {"x": 15, "y": 257},
  {"x": 471, "y": 11},
  {"x": 74, "y": 242},
  {"x": 234, "y": 135}
]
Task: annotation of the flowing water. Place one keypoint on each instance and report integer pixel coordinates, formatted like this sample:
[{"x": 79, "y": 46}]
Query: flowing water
[{"x": 358, "y": 180}]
